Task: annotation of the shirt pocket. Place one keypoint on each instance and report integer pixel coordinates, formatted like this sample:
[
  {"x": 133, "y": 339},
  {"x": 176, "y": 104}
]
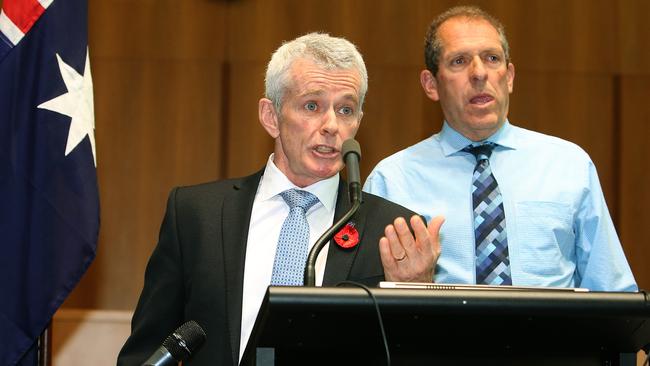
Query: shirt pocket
[{"x": 545, "y": 236}]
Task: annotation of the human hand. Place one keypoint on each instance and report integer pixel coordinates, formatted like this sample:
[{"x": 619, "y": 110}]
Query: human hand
[{"x": 410, "y": 259}]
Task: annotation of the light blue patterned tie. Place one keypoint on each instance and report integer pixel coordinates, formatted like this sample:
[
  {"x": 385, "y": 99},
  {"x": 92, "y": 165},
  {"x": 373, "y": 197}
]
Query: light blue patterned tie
[
  {"x": 291, "y": 254},
  {"x": 492, "y": 260}
]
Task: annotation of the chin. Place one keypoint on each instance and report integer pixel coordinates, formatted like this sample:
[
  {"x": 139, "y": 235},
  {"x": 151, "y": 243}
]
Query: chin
[
  {"x": 485, "y": 123},
  {"x": 325, "y": 172}
]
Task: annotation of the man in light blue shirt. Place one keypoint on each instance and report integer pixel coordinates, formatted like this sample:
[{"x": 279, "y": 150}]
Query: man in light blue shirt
[{"x": 558, "y": 228}]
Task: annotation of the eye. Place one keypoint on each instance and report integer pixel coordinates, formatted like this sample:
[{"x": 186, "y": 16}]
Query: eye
[
  {"x": 346, "y": 111},
  {"x": 458, "y": 61},
  {"x": 493, "y": 58},
  {"x": 311, "y": 106}
]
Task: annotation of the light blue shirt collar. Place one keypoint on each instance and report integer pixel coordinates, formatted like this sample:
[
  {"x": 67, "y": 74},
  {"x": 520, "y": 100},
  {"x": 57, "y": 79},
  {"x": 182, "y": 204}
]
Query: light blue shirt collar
[{"x": 451, "y": 141}]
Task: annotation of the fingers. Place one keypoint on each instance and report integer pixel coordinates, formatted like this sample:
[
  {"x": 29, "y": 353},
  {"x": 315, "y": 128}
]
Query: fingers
[
  {"x": 434, "y": 226},
  {"x": 391, "y": 262},
  {"x": 411, "y": 255},
  {"x": 433, "y": 232},
  {"x": 395, "y": 236},
  {"x": 391, "y": 248},
  {"x": 387, "y": 259},
  {"x": 404, "y": 235},
  {"x": 402, "y": 242},
  {"x": 422, "y": 236}
]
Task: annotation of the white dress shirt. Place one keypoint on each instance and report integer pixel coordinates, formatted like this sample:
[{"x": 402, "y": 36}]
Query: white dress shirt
[{"x": 268, "y": 215}]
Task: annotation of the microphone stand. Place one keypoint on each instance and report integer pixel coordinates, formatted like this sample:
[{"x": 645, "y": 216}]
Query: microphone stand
[{"x": 310, "y": 269}]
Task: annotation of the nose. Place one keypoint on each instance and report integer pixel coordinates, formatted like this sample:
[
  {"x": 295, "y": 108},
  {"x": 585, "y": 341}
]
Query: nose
[
  {"x": 478, "y": 71},
  {"x": 330, "y": 123}
]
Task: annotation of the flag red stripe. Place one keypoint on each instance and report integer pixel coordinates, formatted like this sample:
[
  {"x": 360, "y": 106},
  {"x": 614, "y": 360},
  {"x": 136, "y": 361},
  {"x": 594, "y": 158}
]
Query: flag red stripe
[{"x": 23, "y": 13}]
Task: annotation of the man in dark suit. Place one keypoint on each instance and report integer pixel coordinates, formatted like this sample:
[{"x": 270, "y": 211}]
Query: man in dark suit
[{"x": 222, "y": 243}]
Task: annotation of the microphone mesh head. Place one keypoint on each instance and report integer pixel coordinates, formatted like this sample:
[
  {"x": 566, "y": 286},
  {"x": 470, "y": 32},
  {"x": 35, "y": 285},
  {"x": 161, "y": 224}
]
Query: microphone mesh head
[
  {"x": 351, "y": 146},
  {"x": 185, "y": 341}
]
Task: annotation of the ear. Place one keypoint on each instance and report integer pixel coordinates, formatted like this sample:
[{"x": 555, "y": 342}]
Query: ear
[
  {"x": 430, "y": 85},
  {"x": 268, "y": 117},
  {"x": 511, "y": 77}
]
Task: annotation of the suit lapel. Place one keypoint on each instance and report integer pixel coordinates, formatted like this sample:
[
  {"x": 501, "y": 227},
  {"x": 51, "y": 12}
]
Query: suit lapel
[
  {"x": 235, "y": 215},
  {"x": 340, "y": 260}
]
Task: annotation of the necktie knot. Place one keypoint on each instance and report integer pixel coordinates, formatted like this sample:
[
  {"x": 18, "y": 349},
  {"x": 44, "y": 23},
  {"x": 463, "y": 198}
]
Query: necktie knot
[
  {"x": 299, "y": 198},
  {"x": 481, "y": 152}
]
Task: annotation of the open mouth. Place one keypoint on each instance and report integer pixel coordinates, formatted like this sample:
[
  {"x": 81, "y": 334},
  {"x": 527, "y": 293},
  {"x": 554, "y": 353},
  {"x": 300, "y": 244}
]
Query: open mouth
[
  {"x": 481, "y": 99},
  {"x": 326, "y": 151}
]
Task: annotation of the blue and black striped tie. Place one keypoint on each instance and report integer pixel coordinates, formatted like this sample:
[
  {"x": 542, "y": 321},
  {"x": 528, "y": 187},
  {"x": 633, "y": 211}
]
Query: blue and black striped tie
[{"x": 492, "y": 260}]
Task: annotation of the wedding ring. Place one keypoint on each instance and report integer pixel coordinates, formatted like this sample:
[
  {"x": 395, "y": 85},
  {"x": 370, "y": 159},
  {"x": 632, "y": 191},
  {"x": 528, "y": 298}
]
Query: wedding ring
[{"x": 400, "y": 259}]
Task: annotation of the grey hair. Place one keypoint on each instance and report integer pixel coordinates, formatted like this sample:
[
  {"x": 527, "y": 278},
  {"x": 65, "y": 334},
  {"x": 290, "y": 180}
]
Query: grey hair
[
  {"x": 329, "y": 52},
  {"x": 433, "y": 46}
]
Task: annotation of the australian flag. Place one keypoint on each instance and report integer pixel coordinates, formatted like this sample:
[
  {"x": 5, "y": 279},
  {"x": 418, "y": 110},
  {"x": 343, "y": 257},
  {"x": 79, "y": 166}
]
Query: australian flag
[{"x": 49, "y": 204}]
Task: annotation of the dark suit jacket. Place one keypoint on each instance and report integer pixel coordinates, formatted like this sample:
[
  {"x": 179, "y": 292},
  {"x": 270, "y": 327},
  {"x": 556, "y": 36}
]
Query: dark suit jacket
[{"x": 196, "y": 271}]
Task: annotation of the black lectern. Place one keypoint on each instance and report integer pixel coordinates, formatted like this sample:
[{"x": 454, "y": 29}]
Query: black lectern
[{"x": 339, "y": 326}]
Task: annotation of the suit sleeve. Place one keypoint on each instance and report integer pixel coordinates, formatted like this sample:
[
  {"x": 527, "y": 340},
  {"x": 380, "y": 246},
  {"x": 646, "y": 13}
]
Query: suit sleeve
[{"x": 160, "y": 307}]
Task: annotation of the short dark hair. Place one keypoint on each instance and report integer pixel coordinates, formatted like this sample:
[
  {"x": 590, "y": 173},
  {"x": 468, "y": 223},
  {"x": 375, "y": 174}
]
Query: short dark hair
[{"x": 432, "y": 45}]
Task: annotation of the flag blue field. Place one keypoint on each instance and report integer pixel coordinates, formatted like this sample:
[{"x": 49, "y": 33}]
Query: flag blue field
[{"x": 49, "y": 204}]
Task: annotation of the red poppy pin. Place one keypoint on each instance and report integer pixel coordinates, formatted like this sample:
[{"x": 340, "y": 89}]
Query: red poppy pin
[{"x": 347, "y": 237}]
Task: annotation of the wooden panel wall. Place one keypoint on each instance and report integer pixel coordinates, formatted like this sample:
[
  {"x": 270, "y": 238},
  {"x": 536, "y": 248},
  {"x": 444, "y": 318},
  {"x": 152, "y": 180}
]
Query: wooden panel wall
[
  {"x": 634, "y": 182},
  {"x": 177, "y": 85},
  {"x": 634, "y": 178},
  {"x": 158, "y": 92}
]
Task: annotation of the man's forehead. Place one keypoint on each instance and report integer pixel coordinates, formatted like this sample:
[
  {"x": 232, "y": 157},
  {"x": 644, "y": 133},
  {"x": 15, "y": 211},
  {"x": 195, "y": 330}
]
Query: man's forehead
[
  {"x": 308, "y": 67},
  {"x": 464, "y": 31},
  {"x": 463, "y": 20},
  {"x": 309, "y": 78}
]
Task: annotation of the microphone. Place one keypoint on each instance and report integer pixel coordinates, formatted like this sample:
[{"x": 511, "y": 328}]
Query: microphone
[
  {"x": 179, "y": 346},
  {"x": 351, "y": 153}
]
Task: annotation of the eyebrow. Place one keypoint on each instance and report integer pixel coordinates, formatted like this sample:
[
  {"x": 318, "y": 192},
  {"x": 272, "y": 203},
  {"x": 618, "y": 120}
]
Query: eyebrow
[
  {"x": 351, "y": 97},
  {"x": 465, "y": 52},
  {"x": 318, "y": 92}
]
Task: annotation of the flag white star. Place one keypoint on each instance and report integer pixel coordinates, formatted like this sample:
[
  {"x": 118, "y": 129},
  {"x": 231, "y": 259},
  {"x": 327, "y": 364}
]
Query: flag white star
[{"x": 76, "y": 103}]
